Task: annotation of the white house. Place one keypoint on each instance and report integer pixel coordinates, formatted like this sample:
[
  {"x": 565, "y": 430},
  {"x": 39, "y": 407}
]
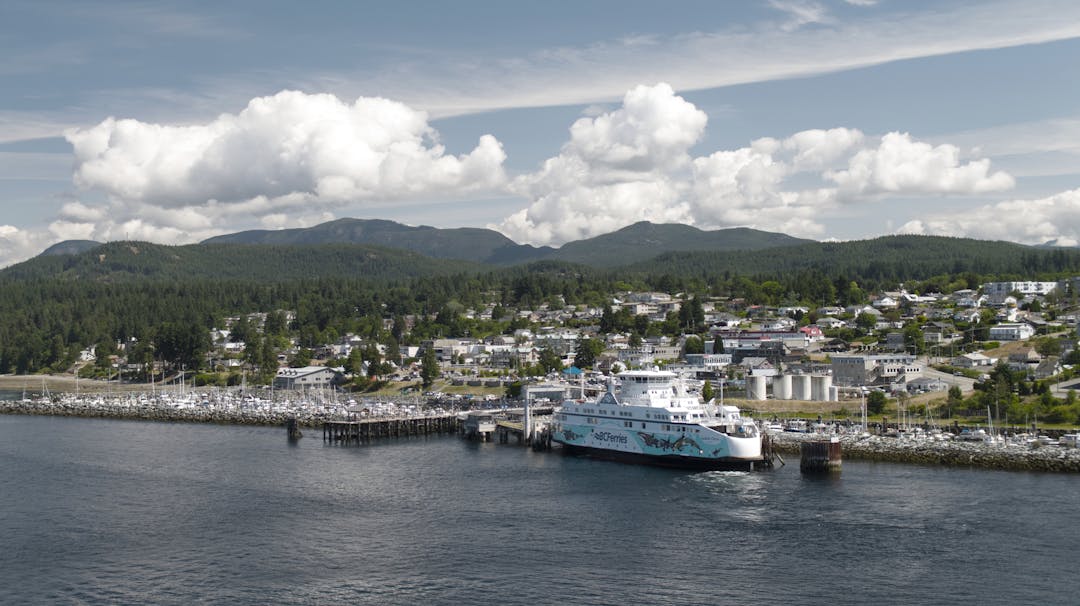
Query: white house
[{"x": 1011, "y": 332}]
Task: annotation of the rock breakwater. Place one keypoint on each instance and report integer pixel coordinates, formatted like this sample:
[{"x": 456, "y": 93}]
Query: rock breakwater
[{"x": 951, "y": 453}]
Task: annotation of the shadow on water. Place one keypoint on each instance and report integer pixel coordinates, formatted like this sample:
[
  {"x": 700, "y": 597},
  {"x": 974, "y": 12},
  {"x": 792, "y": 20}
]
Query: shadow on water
[{"x": 828, "y": 478}]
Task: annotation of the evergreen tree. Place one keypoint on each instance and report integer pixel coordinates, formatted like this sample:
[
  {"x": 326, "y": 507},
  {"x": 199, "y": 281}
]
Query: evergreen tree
[
  {"x": 693, "y": 345},
  {"x": 587, "y": 351},
  {"x": 549, "y": 360},
  {"x": 707, "y": 392},
  {"x": 429, "y": 367}
]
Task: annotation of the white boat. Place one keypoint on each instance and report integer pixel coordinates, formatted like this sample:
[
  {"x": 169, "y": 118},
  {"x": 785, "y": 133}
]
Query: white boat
[{"x": 652, "y": 419}]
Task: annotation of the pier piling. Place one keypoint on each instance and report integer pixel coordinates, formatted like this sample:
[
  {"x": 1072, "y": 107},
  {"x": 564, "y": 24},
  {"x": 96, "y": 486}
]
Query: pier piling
[{"x": 820, "y": 456}]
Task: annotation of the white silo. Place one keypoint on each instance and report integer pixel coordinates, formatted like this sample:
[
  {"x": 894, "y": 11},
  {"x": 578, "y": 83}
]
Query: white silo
[
  {"x": 800, "y": 387},
  {"x": 755, "y": 387},
  {"x": 781, "y": 387},
  {"x": 819, "y": 387}
]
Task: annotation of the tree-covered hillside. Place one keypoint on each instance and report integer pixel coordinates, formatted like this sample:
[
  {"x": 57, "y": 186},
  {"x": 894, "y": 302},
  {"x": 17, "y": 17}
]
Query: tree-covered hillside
[
  {"x": 134, "y": 261},
  {"x": 54, "y": 306},
  {"x": 881, "y": 260}
]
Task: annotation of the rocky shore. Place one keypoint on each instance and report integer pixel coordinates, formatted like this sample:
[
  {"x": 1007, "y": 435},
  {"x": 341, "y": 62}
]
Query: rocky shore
[
  {"x": 220, "y": 408},
  {"x": 161, "y": 413},
  {"x": 951, "y": 453}
]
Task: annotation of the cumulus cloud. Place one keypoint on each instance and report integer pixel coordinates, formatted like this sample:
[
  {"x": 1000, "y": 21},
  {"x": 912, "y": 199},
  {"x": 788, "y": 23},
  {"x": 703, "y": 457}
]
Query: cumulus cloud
[
  {"x": 285, "y": 160},
  {"x": 20, "y": 244},
  {"x": 289, "y": 148},
  {"x": 633, "y": 164},
  {"x": 1055, "y": 219},
  {"x": 618, "y": 168},
  {"x": 902, "y": 165}
]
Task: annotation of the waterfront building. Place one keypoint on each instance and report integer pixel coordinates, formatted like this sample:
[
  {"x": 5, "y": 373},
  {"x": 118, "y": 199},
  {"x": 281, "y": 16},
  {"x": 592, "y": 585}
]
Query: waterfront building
[
  {"x": 874, "y": 369},
  {"x": 307, "y": 377}
]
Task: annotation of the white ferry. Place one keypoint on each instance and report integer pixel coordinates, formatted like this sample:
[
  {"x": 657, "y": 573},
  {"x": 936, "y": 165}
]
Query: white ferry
[{"x": 652, "y": 419}]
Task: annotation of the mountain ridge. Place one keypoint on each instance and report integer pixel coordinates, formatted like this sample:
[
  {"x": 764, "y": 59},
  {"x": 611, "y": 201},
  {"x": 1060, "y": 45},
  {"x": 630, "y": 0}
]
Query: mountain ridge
[{"x": 633, "y": 243}]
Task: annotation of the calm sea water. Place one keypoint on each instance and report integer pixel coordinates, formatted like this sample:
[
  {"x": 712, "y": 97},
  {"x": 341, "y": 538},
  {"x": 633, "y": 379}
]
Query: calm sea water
[{"x": 123, "y": 512}]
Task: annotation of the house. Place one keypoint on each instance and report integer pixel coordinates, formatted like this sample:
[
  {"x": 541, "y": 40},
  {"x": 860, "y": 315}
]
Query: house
[
  {"x": 885, "y": 302},
  {"x": 895, "y": 341},
  {"x": 830, "y": 323},
  {"x": 858, "y": 310},
  {"x": 967, "y": 315},
  {"x": 1048, "y": 367},
  {"x": 1026, "y": 359},
  {"x": 973, "y": 360},
  {"x": 1024, "y": 288},
  {"x": 778, "y": 324},
  {"x": 1011, "y": 332},
  {"x": 835, "y": 345},
  {"x": 307, "y": 377},
  {"x": 758, "y": 367}
]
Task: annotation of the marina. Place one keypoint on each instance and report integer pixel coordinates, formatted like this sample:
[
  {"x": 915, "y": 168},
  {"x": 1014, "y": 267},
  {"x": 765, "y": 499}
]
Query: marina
[{"x": 350, "y": 422}]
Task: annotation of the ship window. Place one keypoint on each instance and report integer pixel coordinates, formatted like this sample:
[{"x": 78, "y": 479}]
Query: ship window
[
  {"x": 643, "y": 426},
  {"x": 628, "y": 424}
]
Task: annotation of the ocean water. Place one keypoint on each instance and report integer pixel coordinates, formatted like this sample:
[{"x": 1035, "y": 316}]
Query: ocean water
[{"x": 126, "y": 512}]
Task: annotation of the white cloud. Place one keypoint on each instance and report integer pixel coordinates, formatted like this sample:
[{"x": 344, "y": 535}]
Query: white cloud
[
  {"x": 284, "y": 145},
  {"x": 739, "y": 54},
  {"x": 1053, "y": 219},
  {"x": 901, "y": 165},
  {"x": 288, "y": 155},
  {"x": 800, "y": 13},
  {"x": 618, "y": 168},
  {"x": 633, "y": 164},
  {"x": 20, "y": 244}
]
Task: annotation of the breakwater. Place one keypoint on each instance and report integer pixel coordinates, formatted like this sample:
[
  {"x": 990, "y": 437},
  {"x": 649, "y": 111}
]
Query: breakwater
[
  {"x": 948, "y": 453},
  {"x": 219, "y": 408}
]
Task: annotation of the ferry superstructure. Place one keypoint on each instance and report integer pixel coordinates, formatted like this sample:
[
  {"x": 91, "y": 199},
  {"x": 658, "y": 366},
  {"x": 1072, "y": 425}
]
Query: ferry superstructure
[{"x": 652, "y": 419}]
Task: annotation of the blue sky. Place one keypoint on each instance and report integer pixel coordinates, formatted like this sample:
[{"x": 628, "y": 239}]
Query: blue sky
[{"x": 826, "y": 119}]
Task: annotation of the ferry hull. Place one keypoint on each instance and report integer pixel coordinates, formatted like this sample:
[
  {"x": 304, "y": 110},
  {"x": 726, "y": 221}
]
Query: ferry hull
[{"x": 670, "y": 461}]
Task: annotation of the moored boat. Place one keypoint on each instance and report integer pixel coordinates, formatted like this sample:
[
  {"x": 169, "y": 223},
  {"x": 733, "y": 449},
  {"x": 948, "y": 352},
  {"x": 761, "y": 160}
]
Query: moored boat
[{"x": 651, "y": 418}]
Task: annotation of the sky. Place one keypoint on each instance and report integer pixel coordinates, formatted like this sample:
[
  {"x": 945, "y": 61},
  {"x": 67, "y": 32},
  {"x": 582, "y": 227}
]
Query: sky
[{"x": 172, "y": 122}]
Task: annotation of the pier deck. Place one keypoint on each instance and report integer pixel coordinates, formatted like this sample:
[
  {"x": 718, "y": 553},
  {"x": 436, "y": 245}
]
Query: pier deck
[{"x": 363, "y": 430}]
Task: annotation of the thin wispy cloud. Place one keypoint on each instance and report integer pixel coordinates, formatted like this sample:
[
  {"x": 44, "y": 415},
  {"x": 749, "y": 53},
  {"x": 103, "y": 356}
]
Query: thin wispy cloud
[{"x": 711, "y": 59}]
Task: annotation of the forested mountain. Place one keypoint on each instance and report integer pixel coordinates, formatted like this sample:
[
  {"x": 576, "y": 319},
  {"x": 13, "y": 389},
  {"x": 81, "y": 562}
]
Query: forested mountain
[
  {"x": 70, "y": 247},
  {"x": 135, "y": 261},
  {"x": 464, "y": 243},
  {"x": 884, "y": 259},
  {"x": 644, "y": 240},
  {"x": 636, "y": 242}
]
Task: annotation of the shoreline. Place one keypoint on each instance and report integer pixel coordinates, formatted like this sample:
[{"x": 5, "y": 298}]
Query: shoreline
[
  {"x": 943, "y": 454},
  {"x": 870, "y": 448}
]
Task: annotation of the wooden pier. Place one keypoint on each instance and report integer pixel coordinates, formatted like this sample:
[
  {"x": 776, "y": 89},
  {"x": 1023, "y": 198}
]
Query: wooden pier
[{"x": 365, "y": 430}]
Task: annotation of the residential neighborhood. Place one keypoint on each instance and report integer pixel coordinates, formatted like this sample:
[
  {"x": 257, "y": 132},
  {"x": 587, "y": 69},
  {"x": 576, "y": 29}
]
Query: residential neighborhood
[{"x": 893, "y": 343}]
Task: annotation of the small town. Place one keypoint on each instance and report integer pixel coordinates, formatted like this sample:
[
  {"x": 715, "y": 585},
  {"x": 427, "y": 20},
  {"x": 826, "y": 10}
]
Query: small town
[{"x": 1009, "y": 346}]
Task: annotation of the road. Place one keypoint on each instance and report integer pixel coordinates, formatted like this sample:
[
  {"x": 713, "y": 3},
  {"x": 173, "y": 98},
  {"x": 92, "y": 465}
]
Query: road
[{"x": 966, "y": 384}]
